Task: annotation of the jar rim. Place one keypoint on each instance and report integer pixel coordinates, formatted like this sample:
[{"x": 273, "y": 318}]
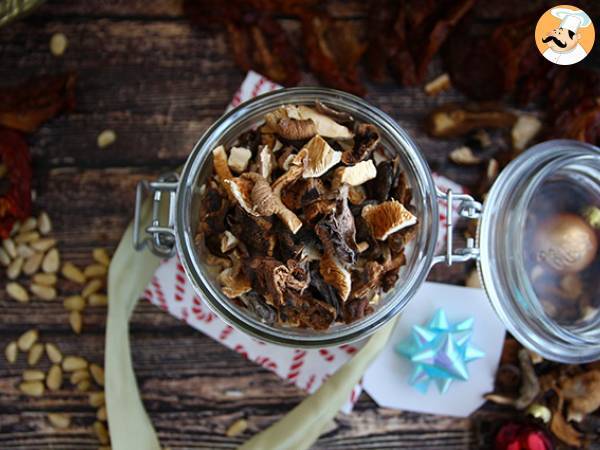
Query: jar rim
[
  {"x": 223, "y": 306},
  {"x": 536, "y": 331}
]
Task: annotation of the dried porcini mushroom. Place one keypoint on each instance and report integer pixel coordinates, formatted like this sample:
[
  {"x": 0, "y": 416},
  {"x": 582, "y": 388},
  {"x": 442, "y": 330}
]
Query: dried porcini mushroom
[
  {"x": 280, "y": 232},
  {"x": 320, "y": 158},
  {"x": 387, "y": 218},
  {"x": 583, "y": 394},
  {"x": 453, "y": 120}
]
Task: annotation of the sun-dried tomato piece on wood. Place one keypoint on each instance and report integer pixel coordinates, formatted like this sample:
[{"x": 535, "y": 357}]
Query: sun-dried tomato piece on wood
[
  {"x": 333, "y": 51},
  {"x": 15, "y": 185},
  {"x": 27, "y": 106}
]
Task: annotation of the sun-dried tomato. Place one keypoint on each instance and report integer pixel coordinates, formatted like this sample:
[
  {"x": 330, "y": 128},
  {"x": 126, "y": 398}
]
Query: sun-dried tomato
[
  {"x": 15, "y": 185},
  {"x": 27, "y": 106}
]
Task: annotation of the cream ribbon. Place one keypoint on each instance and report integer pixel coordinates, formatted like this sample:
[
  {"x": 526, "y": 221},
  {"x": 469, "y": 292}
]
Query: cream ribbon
[{"x": 129, "y": 424}]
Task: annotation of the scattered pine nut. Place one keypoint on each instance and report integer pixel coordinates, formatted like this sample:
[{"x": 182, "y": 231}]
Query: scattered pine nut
[
  {"x": 14, "y": 268},
  {"x": 59, "y": 420},
  {"x": 79, "y": 375},
  {"x": 106, "y": 138},
  {"x": 95, "y": 270},
  {"x": 76, "y": 321},
  {"x": 237, "y": 428},
  {"x": 26, "y": 237},
  {"x": 10, "y": 247},
  {"x": 101, "y": 432},
  {"x": 43, "y": 292},
  {"x": 43, "y": 244},
  {"x": 11, "y": 351},
  {"x": 35, "y": 353},
  {"x": 55, "y": 378},
  {"x": 17, "y": 292},
  {"x": 44, "y": 223},
  {"x": 29, "y": 224},
  {"x": 71, "y": 272},
  {"x": 4, "y": 258},
  {"x": 53, "y": 353},
  {"x": 32, "y": 388},
  {"x": 97, "y": 399},
  {"x": 74, "y": 303},
  {"x": 44, "y": 279},
  {"x": 25, "y": 251},
  {"x": 33, "y": 375},
  {"x": 92, "y": 287},
  {"x": 97, "y": 373},
  {"x": 58, "y": 44},
  {"x": 51, "y": 261},
  {"x": 101, "y": 255},
  {"x": 98, "y": 300},
  {"x": 84, "y": 385},
  {"x": 101, "y": 414},
  {"x": 27, "y": 339},
  {"x": 15, "y": 229},
  {"x": 73, "y": 363}
]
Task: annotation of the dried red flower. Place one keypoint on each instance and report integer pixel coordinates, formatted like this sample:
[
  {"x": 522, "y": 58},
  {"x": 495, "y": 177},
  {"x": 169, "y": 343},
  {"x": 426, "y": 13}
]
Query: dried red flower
[{"x": 518, "y": 436}]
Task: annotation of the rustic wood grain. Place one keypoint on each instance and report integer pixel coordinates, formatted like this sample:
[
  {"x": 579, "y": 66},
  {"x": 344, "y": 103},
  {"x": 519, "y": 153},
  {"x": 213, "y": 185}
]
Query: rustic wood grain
[{"x": 159, "y": 83}]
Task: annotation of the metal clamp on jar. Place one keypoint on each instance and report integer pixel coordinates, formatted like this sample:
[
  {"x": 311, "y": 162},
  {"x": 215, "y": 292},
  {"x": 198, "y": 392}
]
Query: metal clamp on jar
[{"x": 505, "y": 249}]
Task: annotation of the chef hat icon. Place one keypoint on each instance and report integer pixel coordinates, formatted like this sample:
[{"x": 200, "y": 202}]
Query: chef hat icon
[{"x": 570, "y": 19}]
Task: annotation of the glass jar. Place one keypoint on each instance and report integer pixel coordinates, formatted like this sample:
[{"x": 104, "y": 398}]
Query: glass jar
[{"x": 177, "y": 233}]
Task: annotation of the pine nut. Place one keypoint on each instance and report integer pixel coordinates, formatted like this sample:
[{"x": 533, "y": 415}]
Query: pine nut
[
  {"x": 43, "y": 244},
  {"x": 11, "y": 351},
  {"x": 27, "y": 339},
  {"x": 101, "y": 255},
  {"x": 35, "y": 353},
  {"x": 101, "y": 432},
  {"x": 32, "y": 388},
  {"x": 14, "y": 268},
  {"x": 58, "y": 44},
  {"x": 76, "y": 321},
  {"x": 97, "y": 399},
  {"x": 33, "y": 375},
  {"x": 44, "y": 223},
  {"x": 84, "y": 385},
  {"x": 25, "y": 251},
  {"x": 95, "y": 271},
  {"x": 59, "y": 420},
  {"x": 43, "y": 292},
  {"x": 17, "y": 292},
  {"x": 4, "y": 258},
  {"x": 55, "y": 378},
  {"x": 71, "y": 272},
  {"x": 73, "y": 363},
  {"x": 51, "y": 261},
  {"x": 92, "y": 287},
  {"x": 32, "y": 265},
  {"x": 10, "y": 247},
  {"x": 236, "y": 428},
  {"x": 106, "y": 138},
  {"x": 97, "y": 373},
  {"x": 74, "y": 303},
  {"x": 79, "y": 375},
  {"x": 44, "y": 279},
  {"x": 26, "y": 236},
  {"x": 101, "y": 414},
  {"x": 29, "y": 224},
  {"x": 53, "y": 353},
  {"x": 98, "y": 300}
]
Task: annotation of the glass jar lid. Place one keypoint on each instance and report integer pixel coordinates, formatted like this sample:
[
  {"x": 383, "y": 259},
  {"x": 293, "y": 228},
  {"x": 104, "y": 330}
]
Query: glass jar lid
[{"x": 538, "y": 238}]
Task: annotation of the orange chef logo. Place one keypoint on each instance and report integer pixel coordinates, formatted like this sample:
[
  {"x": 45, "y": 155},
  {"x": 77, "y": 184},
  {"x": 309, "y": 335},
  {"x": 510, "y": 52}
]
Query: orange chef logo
[{"x": 564, "y": 35}]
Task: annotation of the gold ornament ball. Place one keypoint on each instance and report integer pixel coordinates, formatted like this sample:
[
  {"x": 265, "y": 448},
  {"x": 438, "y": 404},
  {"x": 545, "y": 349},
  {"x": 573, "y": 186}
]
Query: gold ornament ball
[{"x": 565, "y": 243}]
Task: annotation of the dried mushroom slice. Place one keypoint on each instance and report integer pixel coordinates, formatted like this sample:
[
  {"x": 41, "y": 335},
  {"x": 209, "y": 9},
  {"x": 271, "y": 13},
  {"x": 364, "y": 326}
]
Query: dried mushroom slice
[
  {"x": 357, "y": 174},
  {"x": 221, "y": 167},
  {"x": 241, "y": 190},
  {"x": 320, "y": 158},
  {"x": 234, "y": 282},
  {"x": 239, "y": 157},
  {"x": 366, "y": 139},
  {"x": 325, "y": 125},
  {"x": 336, "y": 275},
  {"x": 265, "y": 162},
  {"x": 387, "y": 218}
]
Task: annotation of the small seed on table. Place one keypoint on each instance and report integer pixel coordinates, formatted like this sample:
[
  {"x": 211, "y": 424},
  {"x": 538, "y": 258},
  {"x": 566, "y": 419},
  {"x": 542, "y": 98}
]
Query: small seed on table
[
  {"x": 101, "y": 432},
  {"x": 58, "y": 44},
  {"x": 29, "y": 224},
  {"x": 25, "y": 251},
  {"x": 95, "y": 270},
  {"x": 71, "y": 272},
  {"x": 35, "y": 353},
  {"x": 59, "y": 420},
  {"x": 55, "y": 378},
  {"x": 10, "y": 247},
  {"x": 14, "y": 268},
  {"x": 27, "y": 339},
  {"x": 44, "y": 223},
  {"x": 97, "y": 373},
  {"x": 44, "y": 279},
  {"x": 101, "y": 414},
  {"x": 76, "y": 321},
  {"x": 91, "y": 288},
  {"x": 4, "y": 258},
  {"x": 98, "y": 300},
  {"x": 43, "y": 244},
  {"x": 236, "y": 428},
  {"x": 74, "y": 303},
  {"x": 15, "y": 229},
  {"x": 27, "y": 236},
  {"x": 32, "y": 265},
  {"x": 97, "y": 399},
  {"x": 84, "y": 385},
  {"x": 106, "y": 138},
  {"x": 79, "y": 375},
  {"x": 11, "y": 351},
  {"x": 43, "y": 292},
  {"x": 73, "y": 363},
  {"x": 17, "y": 292},
  {"x": 54, "y": 354},
  {"x": 33, "y": 375},
  {"x": 51, "y": 261},
  {"x": 32, "y": 388},
  {"x": 101, "y": 255}
]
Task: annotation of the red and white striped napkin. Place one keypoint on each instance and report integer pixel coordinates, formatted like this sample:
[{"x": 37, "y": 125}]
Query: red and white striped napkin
[{"x": 307, "y": 369}]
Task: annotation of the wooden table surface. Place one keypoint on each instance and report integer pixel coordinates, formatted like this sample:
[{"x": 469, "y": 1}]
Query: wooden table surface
[{"x": 146, "y": 73}]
